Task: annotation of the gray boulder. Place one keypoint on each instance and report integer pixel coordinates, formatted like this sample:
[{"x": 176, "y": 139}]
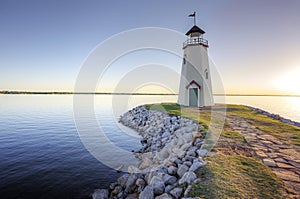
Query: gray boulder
[
  {"x": 123, "y": 179},
  {"x": 187, "y": 191},
  {"x": 188, "y": 163},
  {"x": 191, "y": 153},
  {"x": 172, "y": 170},
  {"x": 132, "y": 196},
  {"x": 177, "y": 161},
  {"x": 140, "y": 183},
  {"x": 147, "y": 193},
  {"x": 168, "y": 188},
  {"x": 130, "y": 183},
  {"x": 176, "y": 192},
  {"x": 188, "y": 177},
  {"x": 182, "y": 169},
  {"x": 158, "y": 185},
  {"x": 100, "y": 194},
  {"x": 169, "y": 180},
  {"x": 195, "y": 166},
  {"x": 202, "y": 152},
  {"x": 117, "y": 190},
  {"x": 164, "y": 196}
]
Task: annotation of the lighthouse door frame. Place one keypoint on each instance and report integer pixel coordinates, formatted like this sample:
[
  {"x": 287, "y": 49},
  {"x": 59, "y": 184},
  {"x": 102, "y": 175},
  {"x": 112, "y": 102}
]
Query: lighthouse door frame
[{"x": 193, "y": 89}]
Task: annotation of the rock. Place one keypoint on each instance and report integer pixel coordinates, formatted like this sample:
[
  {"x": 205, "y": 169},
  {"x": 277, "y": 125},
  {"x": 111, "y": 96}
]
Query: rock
[
  {"x": 187, "y": 191},
  {"x": 167, "y": 151},
  {"x": 181, "y": 154},
  {"x": 176, "y": 192},
  {"x": 147, "y": 193},
  {"x": 116, "y": 190},
  {"x": 188, "y": 137},
  {"x": 145, "y": 163},
  {"x": 169, "y": 163},
  {"x": 202, "y": 152},
  {"x": 166, "y": 134},
  {"x": 188, "y": 163},
  {"x": 132, "y": 169},
  {"x": 140, "y": 183},
  {"x": 164, "y": 196},
  {"x": 113, "y": 185},
  {"x": 269, "y": 162},
  {"x": 191, "y": 153},
  {"x": 168, "y": 188},
  {"x": 185, "y": 146},
  {"x": 169, "y": 180},
  {"x": 123, "y": 179},
  {"x": 188, "y": 177},
  {"x": 177, "y": 161},
  {"x": 195, "y": 166},
  {"x": 189, "y": 158},
  {"x": 121, "y": 195},
  {"x": 190, "y": 198},
  {"x": 182, "y": 169},
  {"x": 284, "y": 166},
  {"x": 164, "y": 169},
  {"x": 172, "y": 170},
  {"x": 198, "y": 180},
  {"x": 130, "y": 184},
  {"x": 158, "y": 185},
  {"x": 163, "y": 154},
  {"x": 150, "y": 175},
  {"x": 132, "y": 196},
  {"x": 100, "y": 194}
]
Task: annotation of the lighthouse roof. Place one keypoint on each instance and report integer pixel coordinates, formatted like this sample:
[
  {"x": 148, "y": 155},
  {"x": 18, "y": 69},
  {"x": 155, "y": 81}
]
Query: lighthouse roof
[{"x": 195, "y": 29}]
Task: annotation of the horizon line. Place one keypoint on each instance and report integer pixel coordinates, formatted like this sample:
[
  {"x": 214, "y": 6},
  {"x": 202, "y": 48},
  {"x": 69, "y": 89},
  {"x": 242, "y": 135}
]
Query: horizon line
[{"x": 125, "y": 93}]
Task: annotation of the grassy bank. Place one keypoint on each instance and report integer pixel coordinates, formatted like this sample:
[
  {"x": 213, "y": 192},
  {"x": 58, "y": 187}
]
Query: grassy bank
[
  {"x": 234, "y": 172},
  {"x": 283, "y": 131},
  {"x": 236, "y": 176}
]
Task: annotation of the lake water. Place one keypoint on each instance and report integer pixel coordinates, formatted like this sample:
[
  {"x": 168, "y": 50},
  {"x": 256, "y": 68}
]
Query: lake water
[
  {"x": 41, "y": 153},
  {"x": 288, "y": 107}
]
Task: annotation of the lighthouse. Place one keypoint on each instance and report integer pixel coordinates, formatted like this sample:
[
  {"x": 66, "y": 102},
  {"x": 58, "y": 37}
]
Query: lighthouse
[{"x": 195, "y": 84}]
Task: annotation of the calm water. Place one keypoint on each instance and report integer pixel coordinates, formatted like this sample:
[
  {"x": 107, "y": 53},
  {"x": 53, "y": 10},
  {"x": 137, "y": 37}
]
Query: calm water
[
  {"x": 288, "y": 107},
  {"x": 42, "y": 156}
]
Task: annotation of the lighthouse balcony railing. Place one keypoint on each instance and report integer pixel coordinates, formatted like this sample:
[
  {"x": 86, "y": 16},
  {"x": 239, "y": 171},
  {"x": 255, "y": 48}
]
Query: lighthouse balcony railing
[{"x": 195, "y": 41}]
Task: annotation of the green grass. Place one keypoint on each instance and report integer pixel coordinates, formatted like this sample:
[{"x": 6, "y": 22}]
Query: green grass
[
  {"x": 236, "y": 177},
  {"x": 264, "y": 123},
  {"x": 233, "y": 135},
  {"x": 174, "y": 109}
]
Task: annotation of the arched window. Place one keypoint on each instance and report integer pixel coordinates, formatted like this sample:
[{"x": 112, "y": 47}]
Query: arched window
[{"x": 184, "y": 61}]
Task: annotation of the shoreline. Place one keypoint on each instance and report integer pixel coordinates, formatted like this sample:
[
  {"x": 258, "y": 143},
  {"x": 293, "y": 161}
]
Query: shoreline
[
  {"x": 124, "y": 93},
  {"x": 275, "y": 116},
  {"x": 169, "y": 155}
]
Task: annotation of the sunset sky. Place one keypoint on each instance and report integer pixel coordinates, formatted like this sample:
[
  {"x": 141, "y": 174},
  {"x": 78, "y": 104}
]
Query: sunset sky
[{"x": 254, "y": 44}]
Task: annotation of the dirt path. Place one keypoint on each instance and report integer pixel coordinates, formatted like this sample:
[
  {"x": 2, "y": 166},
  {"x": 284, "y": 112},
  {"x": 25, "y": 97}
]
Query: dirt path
[{"x": 281, "y": 157}]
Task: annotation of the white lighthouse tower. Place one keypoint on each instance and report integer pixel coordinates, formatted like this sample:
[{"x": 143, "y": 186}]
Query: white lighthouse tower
[{"x": 195, "y": 83}]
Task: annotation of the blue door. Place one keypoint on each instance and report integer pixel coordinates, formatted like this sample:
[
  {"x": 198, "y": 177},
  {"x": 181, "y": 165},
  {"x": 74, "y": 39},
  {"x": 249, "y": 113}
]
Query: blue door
[{"x": 193, "y": 96}]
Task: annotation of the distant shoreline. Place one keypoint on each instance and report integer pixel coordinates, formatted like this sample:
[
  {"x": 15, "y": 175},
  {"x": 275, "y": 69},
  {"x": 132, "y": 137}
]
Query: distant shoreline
[
  {"x": 76, "y": 93},
  {"x": 110, "y": 93}
]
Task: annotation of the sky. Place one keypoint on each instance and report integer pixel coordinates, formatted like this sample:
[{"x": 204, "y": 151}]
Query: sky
[{"x": 254, "y": 45}]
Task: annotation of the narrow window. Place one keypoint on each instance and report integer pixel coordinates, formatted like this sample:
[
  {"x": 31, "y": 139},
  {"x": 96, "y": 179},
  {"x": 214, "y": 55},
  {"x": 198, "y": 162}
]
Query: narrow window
[
  {"x": 206, "y": 73},
  {"x": 184, "y": 61}
]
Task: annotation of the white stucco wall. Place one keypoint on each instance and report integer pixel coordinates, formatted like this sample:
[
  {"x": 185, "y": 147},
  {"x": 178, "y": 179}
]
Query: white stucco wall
[{"x": 194, "y": 69}]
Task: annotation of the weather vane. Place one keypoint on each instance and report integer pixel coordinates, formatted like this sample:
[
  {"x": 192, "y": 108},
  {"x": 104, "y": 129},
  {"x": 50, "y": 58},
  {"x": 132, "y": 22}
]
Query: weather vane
[{"x": 193, "y": 15}]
